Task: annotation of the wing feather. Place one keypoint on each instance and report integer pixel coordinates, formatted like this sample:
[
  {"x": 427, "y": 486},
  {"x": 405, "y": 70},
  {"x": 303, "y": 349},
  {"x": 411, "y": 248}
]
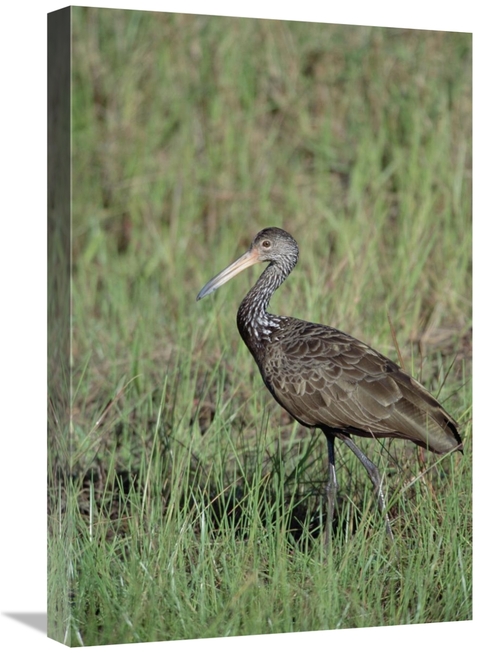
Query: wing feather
[{"x": 324, "y": 377}]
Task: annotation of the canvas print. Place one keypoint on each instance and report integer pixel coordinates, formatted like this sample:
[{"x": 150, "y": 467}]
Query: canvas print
[{"x": 260, "y": 326}]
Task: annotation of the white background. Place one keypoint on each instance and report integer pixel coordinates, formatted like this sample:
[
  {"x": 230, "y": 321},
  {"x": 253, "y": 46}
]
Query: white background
[{"x": 23, "y": 318}]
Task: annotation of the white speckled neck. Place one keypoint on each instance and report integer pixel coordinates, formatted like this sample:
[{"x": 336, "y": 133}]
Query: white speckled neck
[{"x": 254, "y": 322}]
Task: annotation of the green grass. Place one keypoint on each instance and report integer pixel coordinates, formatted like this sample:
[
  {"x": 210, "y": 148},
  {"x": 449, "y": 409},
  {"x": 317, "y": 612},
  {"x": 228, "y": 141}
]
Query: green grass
[{"x": 185, "y": 502}]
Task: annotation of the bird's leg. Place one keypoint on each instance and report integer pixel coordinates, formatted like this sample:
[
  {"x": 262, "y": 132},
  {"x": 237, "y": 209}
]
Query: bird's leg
[
  {"x": 331, "y": 489},
  {"x": 374, "y": 475}
]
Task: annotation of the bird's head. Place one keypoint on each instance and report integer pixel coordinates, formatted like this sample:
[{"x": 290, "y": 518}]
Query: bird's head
[{"x": 271, "y": 245}]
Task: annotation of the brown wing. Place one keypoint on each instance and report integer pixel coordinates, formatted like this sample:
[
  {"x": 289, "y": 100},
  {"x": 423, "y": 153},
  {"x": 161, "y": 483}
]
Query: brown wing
[{"x": 324, "y": 377}]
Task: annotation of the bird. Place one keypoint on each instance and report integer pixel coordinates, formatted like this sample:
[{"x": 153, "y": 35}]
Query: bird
[{"x": 327, "y": 379}]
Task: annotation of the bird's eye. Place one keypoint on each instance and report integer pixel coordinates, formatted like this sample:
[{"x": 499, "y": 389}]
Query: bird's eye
[{"x": 266, "y": 244}]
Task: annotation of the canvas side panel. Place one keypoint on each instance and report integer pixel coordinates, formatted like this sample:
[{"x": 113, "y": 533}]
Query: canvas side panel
[{"x": 59, "y": 562}]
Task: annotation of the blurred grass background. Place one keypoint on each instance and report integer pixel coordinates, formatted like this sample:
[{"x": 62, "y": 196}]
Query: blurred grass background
[{"x": 194, "y": 504}]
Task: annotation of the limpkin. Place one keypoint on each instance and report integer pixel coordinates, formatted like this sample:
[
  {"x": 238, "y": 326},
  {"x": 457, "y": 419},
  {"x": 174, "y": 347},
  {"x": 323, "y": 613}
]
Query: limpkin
[{"x": 326, "y": 378}]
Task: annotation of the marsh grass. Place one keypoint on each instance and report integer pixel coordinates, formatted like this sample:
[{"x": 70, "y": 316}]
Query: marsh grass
[{"x": 183, "y": 502}]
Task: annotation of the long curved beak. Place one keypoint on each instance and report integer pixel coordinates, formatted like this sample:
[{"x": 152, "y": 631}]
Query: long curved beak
[{"x": 249, "y": 258}]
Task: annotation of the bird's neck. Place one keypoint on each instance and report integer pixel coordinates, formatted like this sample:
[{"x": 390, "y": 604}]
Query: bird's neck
[{"x": 255, "y": 324}]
